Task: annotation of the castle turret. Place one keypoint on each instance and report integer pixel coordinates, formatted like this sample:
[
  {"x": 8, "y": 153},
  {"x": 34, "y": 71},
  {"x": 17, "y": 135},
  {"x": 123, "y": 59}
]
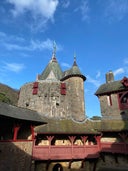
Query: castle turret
[{"x": 75, "y": 81}]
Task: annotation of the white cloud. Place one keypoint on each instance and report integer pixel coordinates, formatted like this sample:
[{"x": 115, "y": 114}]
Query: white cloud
[
  {"x": 116, "y": 9},
  {"x": 126, "y": 61},
  {"x": 12, "y": 46},
  {"x": 43, "y": 45},
  {"x": 47, "y": 44},
  {"x": 98, "y": 74},
  {"x": 45, "y": 8},
  {"x": 19, "y": 43},
  {"x": 33, "y": 45},
  {"x": 119, "y": 71},
  {"x": 65, "y": 65},
  {"x": 4, "y": 38},
  {"x": 65, "y": 3},
  {"x": 84, "y": 10},
  {"x": 14, "y": 67},
  {"x": 41, "y": 11},
  {"x": 93, "y": 81}
]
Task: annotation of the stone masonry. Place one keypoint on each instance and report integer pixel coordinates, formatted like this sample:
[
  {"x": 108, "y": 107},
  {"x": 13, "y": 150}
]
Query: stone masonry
[
  {"x": 56, "y": 94},
  {"x": 51, "y": 103}
]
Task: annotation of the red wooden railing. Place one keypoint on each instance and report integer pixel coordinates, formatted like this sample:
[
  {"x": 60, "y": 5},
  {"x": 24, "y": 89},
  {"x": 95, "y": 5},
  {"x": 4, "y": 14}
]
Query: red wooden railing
[
  {"x": 69, "y": 152},
  {"x": 77, "y": 152},
  {"x": 65, "y": 152}
]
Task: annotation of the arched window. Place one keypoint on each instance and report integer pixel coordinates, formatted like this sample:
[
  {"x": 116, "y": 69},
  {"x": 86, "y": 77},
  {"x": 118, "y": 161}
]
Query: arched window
[{"x": 57, "y": 167}]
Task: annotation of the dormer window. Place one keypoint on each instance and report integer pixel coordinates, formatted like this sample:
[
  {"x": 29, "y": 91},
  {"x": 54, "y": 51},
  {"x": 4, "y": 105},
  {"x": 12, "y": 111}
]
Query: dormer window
[{"x": 123, "y": 100}]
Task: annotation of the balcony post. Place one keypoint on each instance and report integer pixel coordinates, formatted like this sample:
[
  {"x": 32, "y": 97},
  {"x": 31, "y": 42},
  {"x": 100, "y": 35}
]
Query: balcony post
[
  {"x": 32, "y": 132},
  {"x": 50, "y": 138},
  {"x": 98, "y": 138},
  {"x": 72, "y": 139},
  {"x": 84, "y": 139},
  {"x": 16, "y": 129}
]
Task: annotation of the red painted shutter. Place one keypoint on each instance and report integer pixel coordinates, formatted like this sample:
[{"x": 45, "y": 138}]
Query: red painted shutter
[
  {"x": 35, "y": 91},
  {"x": 35, "y": 85},
  {"x": 63, "y": 85},
  {"x": 63, "y": 91},
  {"x": 63, "y": 88},
  {"x": 35, "y": 88}
]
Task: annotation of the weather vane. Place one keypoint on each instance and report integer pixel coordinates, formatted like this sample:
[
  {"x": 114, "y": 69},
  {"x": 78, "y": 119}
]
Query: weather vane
[{"x": 54, "y": 48}]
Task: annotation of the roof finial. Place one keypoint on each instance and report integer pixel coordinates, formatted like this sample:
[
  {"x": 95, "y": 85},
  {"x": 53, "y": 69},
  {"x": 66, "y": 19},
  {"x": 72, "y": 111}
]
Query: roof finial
[
  {"x": 54, "y": 49},
  {"x": 74, "y": 57},
  {"x": 74, "y": 64}
]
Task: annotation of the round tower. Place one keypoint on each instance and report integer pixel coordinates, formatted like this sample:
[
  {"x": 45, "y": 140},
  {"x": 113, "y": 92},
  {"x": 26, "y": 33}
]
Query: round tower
[{"x": 75, "y": 91}]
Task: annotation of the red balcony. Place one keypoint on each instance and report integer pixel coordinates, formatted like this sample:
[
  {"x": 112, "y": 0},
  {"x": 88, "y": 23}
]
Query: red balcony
[
  {"x": 77, "y": 152},
  {"x": 65, "y": 152}
]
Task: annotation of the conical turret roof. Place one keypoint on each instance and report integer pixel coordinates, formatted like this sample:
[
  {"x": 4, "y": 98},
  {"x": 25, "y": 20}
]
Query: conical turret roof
[
  {"x": 52, "y": 70},
  {"x": 73, "y": 72}
]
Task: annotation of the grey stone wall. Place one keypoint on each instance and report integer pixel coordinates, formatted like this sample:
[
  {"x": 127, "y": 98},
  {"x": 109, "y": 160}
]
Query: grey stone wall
[
  {"x": 112, "y": 162},
  {"x": 75, "y": 96},
  {"x": 50, "y": 102},
  {"x": 15, "y": 156},
  {"x": 110, "y": 111}
]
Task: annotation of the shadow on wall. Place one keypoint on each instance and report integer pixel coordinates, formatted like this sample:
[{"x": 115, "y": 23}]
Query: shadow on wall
[
  {"x": 15, "y": 156},
  {"x": 114, "y": 146},
  {"x": 66, "y": 165}
]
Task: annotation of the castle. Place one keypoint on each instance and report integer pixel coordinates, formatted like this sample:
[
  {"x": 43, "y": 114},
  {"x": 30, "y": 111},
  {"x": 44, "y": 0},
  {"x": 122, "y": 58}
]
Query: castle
[
  {"x": 56, "y": 94},
  {"x": 49, "y": 130}
]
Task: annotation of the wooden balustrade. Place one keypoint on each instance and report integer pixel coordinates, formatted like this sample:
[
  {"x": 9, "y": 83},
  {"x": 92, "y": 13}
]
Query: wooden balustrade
[
  {"x": 65, "y": 152},
  {"x": 53, "y": 152}
]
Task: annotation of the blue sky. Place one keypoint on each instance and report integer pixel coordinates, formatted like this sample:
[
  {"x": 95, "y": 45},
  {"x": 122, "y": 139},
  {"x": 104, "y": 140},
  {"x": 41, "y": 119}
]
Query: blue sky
[{"x": 96, "y": 30}]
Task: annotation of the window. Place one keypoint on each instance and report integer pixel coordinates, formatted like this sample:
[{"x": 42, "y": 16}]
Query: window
[
  {"x": 123, "y": 100},
  {"x": 109, "y": 100}
]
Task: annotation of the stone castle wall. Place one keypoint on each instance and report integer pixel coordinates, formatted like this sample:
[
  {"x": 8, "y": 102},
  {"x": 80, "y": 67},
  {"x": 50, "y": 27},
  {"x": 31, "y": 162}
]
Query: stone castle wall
[
  {"x": 52, "y": 102},
  {"x": 110, "y": 111},
  {"x": 76, "y": 97},
  {"x": 15, "y": 156}
]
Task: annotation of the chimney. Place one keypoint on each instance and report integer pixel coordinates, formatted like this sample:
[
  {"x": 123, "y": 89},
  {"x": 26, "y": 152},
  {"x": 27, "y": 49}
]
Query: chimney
[{"x": 109, "y": 77}]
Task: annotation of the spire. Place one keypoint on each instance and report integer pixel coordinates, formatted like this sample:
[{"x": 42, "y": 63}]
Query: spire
[
  {"x": 52, "y": 70},
  {"x": 74, "y": 64},
  {"x": 73, "y": 71},
  {"x": 54, "y": 52}
]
